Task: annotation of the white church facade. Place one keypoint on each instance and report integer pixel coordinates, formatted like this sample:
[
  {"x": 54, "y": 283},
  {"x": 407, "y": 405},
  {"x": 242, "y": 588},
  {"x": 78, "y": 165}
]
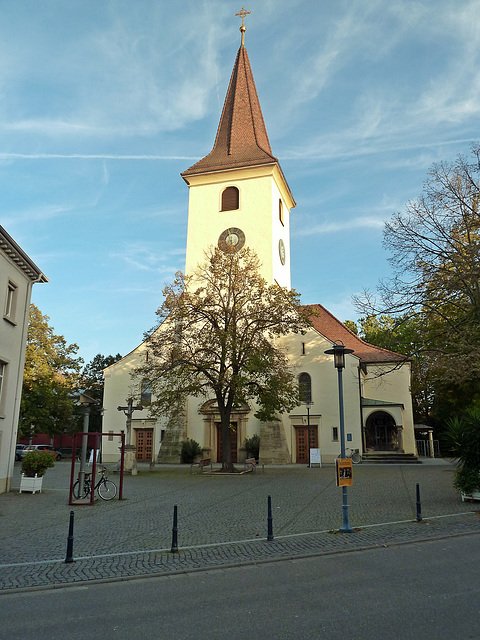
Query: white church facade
[{"x": 239, "y": 195}]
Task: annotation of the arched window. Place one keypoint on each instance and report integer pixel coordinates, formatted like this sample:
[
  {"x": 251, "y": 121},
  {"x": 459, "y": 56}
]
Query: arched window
[
  {"x": 146, "y": 393},
  {"x": 305, "y": 387},
  {"x": 230, "y": 199}
]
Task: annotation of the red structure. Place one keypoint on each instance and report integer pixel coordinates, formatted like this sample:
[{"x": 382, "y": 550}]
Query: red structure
[{"x": 95, "y": 449}]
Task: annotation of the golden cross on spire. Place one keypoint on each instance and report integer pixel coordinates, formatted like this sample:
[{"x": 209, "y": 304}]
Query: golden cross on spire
[{"x": 243, "y": 28}]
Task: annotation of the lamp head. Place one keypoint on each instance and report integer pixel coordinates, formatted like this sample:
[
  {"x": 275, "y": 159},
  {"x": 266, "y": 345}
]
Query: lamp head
[{"x": 338, "y": 351}]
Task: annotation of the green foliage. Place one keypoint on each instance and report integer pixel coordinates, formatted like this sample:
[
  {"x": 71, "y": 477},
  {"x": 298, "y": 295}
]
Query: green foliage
[
  {"x": 463, "y": 439},
  {"x": 37, "y": 462},
  {"x": 216, "y": 338},
  {"x": 92, "y": 384},
  {"x": 50, "y": 378},
  {"x": 467, "y": 480},
  {"x": 252, "y": 445},
  {"x": 190, "y": 450}
]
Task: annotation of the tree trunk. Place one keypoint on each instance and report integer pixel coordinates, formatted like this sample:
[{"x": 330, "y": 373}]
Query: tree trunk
[{"x": 227, "y": 464}]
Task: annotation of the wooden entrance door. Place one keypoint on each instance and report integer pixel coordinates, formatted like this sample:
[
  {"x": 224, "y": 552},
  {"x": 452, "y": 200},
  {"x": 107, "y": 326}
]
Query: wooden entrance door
[
  {"x": 233, "y": 441},
  {"x": 301, "y": 434},
  {"x": 144, "y": 445}
]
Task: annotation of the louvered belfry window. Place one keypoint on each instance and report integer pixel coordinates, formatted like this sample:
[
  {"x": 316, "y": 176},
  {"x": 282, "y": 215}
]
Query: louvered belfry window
[{"x": 230, "y": 199}]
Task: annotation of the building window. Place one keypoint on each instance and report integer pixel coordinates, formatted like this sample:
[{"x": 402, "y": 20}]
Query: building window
[
  {"x": 305, "y": 387},
  {"x": 303, "y": 348},
  {"x": 3, "y": 386},
  {"x": 280, "y": 212},
  {"x": 10, "y": 302},
  {"x": 230, "y": 199},
  {"x": 146, "y": 393},
  {"x": 335, "y": 434}
]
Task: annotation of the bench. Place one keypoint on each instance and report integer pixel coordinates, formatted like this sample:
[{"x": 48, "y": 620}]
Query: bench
[
  {"x": 251, "y": 463},
  {"x": 205, "y": 462}
]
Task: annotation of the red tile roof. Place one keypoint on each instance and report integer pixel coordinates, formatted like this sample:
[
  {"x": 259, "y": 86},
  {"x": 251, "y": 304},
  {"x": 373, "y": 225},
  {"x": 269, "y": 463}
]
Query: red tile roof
[
  {"x": 242, "y": 139},
  {"x": 330, "y": 327}
]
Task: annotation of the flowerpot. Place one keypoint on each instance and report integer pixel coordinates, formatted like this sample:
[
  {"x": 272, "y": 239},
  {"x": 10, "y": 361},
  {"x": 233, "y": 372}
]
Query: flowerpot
[
  {"x": 31, "y": 484},
  {"x": 475, "y": 495}
]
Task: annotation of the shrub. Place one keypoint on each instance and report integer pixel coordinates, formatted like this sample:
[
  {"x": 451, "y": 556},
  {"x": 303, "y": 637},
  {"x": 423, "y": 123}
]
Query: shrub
[
  {"x": 463, "y": 438},
  {"x": 37, "y": 462},
  {"x": 252, "y": 445},
  {"x": 467, "y": 480},
  {"x": 190, "y": 450}
]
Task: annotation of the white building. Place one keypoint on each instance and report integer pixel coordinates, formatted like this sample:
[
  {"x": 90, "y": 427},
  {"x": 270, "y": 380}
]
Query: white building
[
  {"x": 17, "y": 275},
  {"x": 239, "y": 190}
]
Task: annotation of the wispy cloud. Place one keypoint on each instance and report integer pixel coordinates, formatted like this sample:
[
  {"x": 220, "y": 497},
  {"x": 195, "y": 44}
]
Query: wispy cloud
[
  {"x": 90, "y": 156},
  {"x": 40, "y": 212},
  {"x": 328, "y": 227},
  {"x": 149, "y": 256}
]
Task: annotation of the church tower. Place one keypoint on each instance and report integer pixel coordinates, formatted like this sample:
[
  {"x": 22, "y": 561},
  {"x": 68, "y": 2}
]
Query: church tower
[{"x": 238, "y": 194}]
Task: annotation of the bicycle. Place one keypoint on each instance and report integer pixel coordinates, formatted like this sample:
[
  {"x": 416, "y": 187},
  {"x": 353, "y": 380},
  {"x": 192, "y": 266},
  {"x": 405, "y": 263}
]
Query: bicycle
[
  {"x": 106, "y": 489},
  {"x": 354, "y": 455}
]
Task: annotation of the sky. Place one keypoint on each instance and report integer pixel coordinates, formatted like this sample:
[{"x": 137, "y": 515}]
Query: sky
[{"x": 104, "y": 102}]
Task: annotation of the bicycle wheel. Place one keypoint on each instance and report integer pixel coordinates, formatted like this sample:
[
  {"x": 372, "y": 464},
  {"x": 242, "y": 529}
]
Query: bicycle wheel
[
  {"x": 76, "y": 490},
  {"x": 356, "y": 457},
  {"x": 107, "y": 490}
]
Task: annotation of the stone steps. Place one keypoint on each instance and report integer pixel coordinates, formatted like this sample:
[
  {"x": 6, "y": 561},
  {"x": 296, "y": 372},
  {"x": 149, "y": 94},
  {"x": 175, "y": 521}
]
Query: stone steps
[{"x": 390, "y": 457}]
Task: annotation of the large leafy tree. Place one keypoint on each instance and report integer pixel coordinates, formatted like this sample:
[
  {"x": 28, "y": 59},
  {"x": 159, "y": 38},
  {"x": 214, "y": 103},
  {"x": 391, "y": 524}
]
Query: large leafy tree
[
  {"x": 92, "y": 383},
  {"x": 405, "y": 335},
  {"x": 217, "y": 337},
  {"x": 435, "y": 287},
  {"x": 50, "y": 377}
]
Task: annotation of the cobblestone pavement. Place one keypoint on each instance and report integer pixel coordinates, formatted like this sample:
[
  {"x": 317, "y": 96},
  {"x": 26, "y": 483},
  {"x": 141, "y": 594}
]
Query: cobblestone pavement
[{"x": 221, "y": 520}]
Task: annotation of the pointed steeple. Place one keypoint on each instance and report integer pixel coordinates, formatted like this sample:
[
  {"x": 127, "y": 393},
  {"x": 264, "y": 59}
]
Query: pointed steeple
[{"x": 242, "y": 139}]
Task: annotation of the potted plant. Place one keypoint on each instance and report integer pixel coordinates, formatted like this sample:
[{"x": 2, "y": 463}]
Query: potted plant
[
  {"x": 252, "y": 446},
  {"x": 463, "y": 437},
  {"x": 191, "y": 451},
  {"x": 34, "y": 465}
]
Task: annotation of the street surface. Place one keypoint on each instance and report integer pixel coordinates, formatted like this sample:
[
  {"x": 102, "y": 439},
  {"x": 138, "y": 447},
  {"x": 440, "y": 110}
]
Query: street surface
[
  {"x": 222, "y": 521},
  {"x": 428, "y": 591}
]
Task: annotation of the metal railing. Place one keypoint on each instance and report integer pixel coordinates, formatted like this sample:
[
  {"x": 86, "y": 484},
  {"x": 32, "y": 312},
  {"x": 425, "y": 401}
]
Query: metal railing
[{"x": 424, "y": 448}]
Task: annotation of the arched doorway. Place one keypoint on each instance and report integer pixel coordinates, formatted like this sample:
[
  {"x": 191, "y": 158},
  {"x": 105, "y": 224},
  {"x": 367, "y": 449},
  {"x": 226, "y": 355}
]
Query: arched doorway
[{"x": 381, "y": 432}]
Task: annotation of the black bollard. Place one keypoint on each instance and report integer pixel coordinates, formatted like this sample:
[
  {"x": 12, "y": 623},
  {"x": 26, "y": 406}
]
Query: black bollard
[
  {"x": 69, "y": 556},
  {"x": 419, "y": 505},
  {"x": 270, "y": 520},
  {"x": 174, "y": 548}
]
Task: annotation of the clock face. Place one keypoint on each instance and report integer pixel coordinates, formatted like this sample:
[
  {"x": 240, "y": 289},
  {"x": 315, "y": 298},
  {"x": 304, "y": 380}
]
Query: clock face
[
  {"x": 232, "y": 238},
  {"x": 281, "y": 251}
]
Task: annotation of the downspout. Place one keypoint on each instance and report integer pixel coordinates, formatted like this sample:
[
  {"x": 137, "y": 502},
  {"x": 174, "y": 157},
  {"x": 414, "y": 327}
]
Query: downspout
[{"x": 362, "y": 430}]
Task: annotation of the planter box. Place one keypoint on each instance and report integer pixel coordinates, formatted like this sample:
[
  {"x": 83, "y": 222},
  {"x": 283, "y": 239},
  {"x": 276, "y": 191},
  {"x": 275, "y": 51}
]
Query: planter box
[
  {"x": 31, "y": 484},
  {"x": 475, "y": 495}
]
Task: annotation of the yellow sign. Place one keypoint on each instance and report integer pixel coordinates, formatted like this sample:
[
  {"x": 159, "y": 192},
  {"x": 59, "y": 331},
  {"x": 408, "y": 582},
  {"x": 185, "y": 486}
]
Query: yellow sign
[{"x": 344, "y": 472}]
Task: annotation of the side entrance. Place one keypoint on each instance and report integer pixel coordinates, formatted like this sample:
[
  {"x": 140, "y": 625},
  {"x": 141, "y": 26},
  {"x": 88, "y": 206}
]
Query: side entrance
[
  {"x": 144, "y": 443},
  {"x": 301, "y": 438}
]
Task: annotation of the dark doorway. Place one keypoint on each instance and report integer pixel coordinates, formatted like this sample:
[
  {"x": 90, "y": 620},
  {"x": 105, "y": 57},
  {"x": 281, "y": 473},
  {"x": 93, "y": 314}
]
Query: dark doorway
[{"x": 381, "y": 432}]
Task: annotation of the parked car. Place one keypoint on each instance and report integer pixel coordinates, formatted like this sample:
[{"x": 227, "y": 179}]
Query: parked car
[
  {"x": 18, "y": 451},
  {"x": 41, "y": 447}
]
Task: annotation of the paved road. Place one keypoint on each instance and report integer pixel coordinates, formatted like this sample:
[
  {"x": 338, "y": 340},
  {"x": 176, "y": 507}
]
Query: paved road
[
  {"x": 420, "y": 590},
  {"x": 222, "y": 520}
]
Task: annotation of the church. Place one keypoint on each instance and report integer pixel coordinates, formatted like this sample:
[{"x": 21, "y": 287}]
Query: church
[{"x": 238, "y": 194}]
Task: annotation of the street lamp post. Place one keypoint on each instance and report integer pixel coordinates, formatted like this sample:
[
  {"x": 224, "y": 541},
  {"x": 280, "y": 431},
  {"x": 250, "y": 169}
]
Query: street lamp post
[
  {"x": 339, "y": 350},
  {"x": 309, "y": 404}
]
